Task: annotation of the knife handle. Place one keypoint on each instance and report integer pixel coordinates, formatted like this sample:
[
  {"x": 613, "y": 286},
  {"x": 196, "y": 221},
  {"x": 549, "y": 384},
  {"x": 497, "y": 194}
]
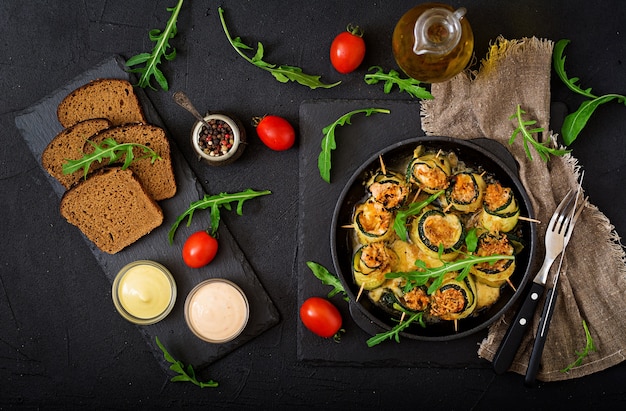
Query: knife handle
[
  {"x": 540, "y": 340},
  {"x": 513, "y": 337}
]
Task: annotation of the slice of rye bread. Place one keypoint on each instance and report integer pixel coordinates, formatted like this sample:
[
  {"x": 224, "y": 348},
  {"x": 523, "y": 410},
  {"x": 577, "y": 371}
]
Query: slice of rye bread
[
  {"x": 158, "y": 177},
  {"x": 111, "y": 208},
  {"x": 69, "y": 144},
  {"x": 113, "y": 99}
]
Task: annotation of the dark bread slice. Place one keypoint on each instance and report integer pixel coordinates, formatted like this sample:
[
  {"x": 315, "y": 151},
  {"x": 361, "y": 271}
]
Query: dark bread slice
[
  {"x": 113, "y": 99},
  {"x": 69, "y": 144},
  {"x": 111, "y": 208},
  {"x": 158, "y": 177}
]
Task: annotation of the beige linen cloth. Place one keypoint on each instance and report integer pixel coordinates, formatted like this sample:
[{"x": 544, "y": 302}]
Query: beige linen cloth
[{"x": 592, "y": 286}]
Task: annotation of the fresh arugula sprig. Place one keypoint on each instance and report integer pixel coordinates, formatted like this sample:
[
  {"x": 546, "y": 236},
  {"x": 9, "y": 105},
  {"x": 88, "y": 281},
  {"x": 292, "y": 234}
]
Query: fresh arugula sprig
[
  {"x": 424, "y": 274},
  {"x": 410, "y": 85},
  {"x": 589, "y": 346},
  {"x": 394, "y": 333},
  {"x": 329, "y": 143},
  {"x": 576, "y": 121},
  {"x": 544, "y": 148},
  {"x": 184, "y": 373},
  {"x": 108, "y": 149},
  {"x": 281, "y": 73},
  {"x": 399, "y": 222},
  {"x": 327, "y": 278},
  {"x": 160, "y": 50},
  {"x": 214, "y": 202}
]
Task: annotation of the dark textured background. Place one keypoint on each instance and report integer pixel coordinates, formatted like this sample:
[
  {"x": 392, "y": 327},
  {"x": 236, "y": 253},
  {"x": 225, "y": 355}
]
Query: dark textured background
[{"x": 62, "y": 342}]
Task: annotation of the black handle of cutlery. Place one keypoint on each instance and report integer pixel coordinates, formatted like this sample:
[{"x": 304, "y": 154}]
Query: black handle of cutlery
[
  {"x": 540, "y": 340},
  {"x": 513, "y": 337}
]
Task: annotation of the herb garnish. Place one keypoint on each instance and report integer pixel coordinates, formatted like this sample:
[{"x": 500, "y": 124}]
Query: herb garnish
[
  {"x": 111, "y": 149},
  {"x": 576, "y": 121},
  {"x": 184, "y": 373},
  {"x": 328, "y": 279},
  {"x": 214, "y": 203},
  {"x": 544, "y": 148},
  {"x": 153, "y": 59},
  {"x": 425, "y": 274},
  {"x": 281, "y": 73},
  {"x": 585, "y": 351},
  {"x": 329, "y": 143},
  {"x": 392, "y": 78},
  {"x": 399, "y": 223},
  {"x": 394, "y": 333}
]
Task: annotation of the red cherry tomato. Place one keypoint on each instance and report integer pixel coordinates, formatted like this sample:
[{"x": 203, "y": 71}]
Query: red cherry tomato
[
  {"x": 199, "y": 249},
  {"x": 321, "y": 317},
  {"x": 347, "y": 50},
  {"x": 276, "y": 132}
]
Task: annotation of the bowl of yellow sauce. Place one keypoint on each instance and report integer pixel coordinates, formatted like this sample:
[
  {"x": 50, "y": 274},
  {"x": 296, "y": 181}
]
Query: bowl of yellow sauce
[
  {"x": 144, "y": 292},
  {"x": 216, "y": 310}
]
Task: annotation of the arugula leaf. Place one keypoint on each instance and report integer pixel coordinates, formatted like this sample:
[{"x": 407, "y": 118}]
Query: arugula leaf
[
  {"x": 576, "y": 121},
  {"x": 111, "y": 149},
  {"x": 214, "y": 203},
  {"x": 410, "y": 85},
  {"x": 394, "y": 333},
  {"x": 425, "y": 274},
  {"x": 153, "y": 59},
  {"x": 399, "y": 223},
  {"x": 327, "y": 279},
  {"x": 543, "y": 149},
  {"x": 558, "y": 60},
  {"x": 184, "y": 374},
  {"x": 281, "y": 73},
  {"x": 584, "y": 352},
  {"x": 328, "y": 141}
]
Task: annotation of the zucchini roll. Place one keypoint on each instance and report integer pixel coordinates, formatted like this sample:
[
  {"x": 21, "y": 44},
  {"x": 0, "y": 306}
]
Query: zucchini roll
[
  {"x": 429, "y": 171},
  {"x": 388, "y": 189},
  {"x": 373, "y": 222},
  {"x": 454, "y": 299},
  {"x": 370, "y": 264},
  {"x": 494, "y": 274},
  {"x": 465, "y": 192},
  {"x": 500, "y": 209},
  {"x": 434, "y": 228}
]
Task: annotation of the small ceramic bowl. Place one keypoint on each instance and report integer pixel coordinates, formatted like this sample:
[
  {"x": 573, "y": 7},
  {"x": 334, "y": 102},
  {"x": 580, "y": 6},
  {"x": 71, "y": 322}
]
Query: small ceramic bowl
[
  {"x": 144, "y": 292},
  {"x": 228, "y": 131},
  {"x": 216, "y": 310}
]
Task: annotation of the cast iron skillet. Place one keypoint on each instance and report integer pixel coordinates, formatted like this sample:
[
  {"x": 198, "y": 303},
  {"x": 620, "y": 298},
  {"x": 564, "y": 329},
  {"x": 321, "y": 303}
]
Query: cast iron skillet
[{"x": 494, "y": 158}]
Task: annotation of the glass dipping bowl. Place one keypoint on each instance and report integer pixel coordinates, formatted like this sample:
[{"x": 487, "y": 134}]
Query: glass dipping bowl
[
  {"x": 144, "y": 292},
  {"x": 216, "y": 310}
]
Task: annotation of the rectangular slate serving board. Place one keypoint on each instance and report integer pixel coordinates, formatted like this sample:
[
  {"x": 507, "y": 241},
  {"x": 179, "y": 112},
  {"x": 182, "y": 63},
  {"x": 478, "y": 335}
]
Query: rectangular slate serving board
[
  {"x": 38, "y": 124},
  {"x": 356, "y": 143}
]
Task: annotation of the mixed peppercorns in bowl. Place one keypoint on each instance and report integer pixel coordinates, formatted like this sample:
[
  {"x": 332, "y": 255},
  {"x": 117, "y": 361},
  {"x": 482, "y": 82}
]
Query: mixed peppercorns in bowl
[{"x": 222, "y": 142}]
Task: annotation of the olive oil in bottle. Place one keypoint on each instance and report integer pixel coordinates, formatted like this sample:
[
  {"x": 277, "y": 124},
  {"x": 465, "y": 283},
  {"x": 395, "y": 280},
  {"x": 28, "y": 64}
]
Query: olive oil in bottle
[{"x": 432, "y": 42}]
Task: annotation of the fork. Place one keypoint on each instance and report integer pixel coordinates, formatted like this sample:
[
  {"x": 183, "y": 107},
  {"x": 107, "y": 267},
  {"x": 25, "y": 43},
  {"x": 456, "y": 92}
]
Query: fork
[{"x": 557, "y": 229}]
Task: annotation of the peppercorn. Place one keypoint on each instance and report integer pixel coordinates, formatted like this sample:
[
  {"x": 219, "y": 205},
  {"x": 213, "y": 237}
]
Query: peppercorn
[{"x": 217, "y": 140}]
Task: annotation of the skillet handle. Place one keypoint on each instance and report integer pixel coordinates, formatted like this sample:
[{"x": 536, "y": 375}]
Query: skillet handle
[{"x": 513, "y": 337}]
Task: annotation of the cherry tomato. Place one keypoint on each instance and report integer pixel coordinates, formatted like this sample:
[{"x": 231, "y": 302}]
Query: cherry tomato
[
  {"x": 275, "y": 132},
  {"x": 321, "y": 317},
  {"x": 347, "y": 50},
  {"x": 199, "y": 249}
]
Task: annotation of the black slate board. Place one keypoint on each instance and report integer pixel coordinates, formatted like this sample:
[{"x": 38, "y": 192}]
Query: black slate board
[
  {"x": 356, "y": 143},
  {"x": 38, "y": 125}
]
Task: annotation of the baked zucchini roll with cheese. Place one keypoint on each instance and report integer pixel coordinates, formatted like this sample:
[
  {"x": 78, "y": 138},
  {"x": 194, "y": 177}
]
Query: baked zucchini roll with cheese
[
  {"x": 388, "y": 189},
  {"x": 433, "y": 229},
  {"x": 429, "y": 171},
  {"x": 373, "y": 222},
  {"x": 465, "y": 192},
  {"x": 370, "y": 264},
  {"x": 500, "y": 209},
  {"x": 454, "y": 299},
  {"x": 494, "y": 274}
]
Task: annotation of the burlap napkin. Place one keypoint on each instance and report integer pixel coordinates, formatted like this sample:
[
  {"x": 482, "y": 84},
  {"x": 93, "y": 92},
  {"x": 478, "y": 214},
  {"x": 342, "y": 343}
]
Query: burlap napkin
[{"x": 593, "y": 276}]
